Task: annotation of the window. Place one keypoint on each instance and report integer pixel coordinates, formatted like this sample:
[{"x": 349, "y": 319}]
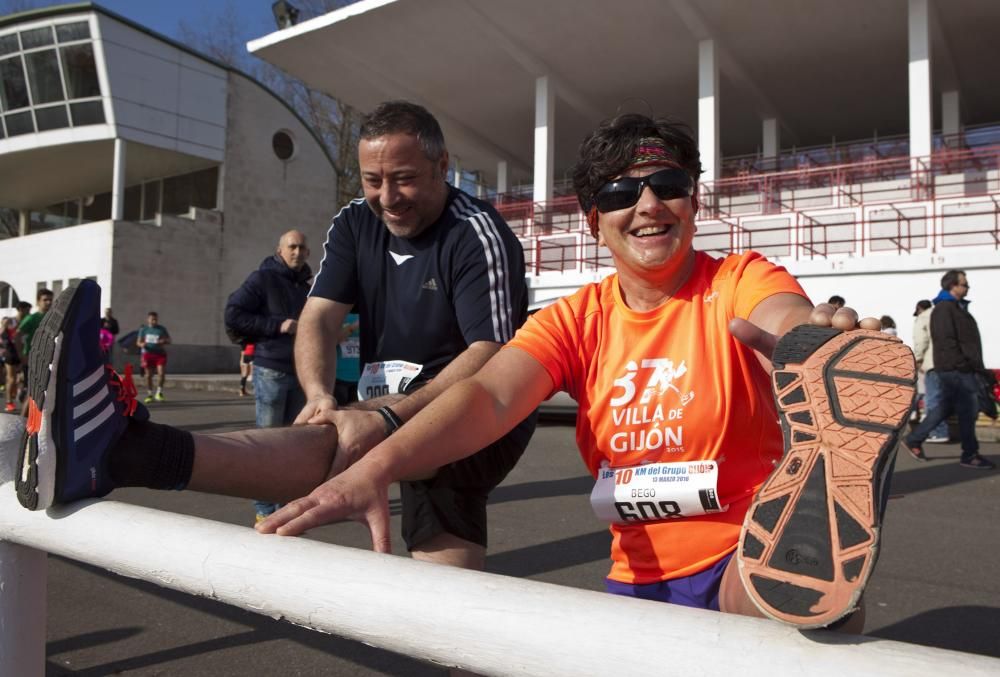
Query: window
[
  {"x": 97, "y": 207},
  {"x": 87, "y": 113},
  {"x": 133, "y": 197},
  {"x": 53, "y": 117},
  {"x": 150, "y": 200},
  {"x": 283, "y": 145},
  {"x": 19, "y": 123},
  {"x": 199, "y": 189},
  {"x": 74, "y": 31},
  {"x": 45, "y": 66},
  {"x": 80, "y": 70},
  {"x": 8, "y": 44},
  {"x": 14, "y": 92},
  {"x": 38, "y": 37},
  {"x": 43, "y": 74}
]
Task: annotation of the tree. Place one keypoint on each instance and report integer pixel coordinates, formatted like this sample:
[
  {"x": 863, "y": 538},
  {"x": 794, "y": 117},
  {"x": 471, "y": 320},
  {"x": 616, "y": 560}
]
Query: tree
[{"x": 336, "y": 123}]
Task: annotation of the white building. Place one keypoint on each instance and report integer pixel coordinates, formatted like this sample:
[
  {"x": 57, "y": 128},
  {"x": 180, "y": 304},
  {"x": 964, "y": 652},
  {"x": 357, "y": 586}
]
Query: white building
[
  {"x": 132, "y": 160},
  {"x": 855, "y": 142}
]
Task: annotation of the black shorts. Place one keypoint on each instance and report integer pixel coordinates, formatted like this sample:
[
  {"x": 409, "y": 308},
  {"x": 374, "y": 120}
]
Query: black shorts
[
  {"x": 454, "y": 500},
  {"x": 247, "y": 359}
]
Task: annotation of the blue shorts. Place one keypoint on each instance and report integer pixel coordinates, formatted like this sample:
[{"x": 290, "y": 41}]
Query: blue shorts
[{"x": 700, "y": 590}]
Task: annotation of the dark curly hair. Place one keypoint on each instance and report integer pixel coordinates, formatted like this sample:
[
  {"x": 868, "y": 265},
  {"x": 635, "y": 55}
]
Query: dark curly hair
[{"x": 607, "y": 151}]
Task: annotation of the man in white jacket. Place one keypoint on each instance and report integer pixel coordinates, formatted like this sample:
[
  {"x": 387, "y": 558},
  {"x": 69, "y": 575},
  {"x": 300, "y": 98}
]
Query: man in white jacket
[{"x": 923, "y": 351}]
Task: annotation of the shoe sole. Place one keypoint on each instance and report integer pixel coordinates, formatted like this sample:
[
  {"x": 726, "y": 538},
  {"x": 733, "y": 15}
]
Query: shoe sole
[
  {"x": 37, "y": 463},
  {"x": 810, "y": 539}
]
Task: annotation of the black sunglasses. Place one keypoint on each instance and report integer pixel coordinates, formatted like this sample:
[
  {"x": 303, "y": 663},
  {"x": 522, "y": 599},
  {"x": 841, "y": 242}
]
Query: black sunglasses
[{"x": 666, "y": 184}]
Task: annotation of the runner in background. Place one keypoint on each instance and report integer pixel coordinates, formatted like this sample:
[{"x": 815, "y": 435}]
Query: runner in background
[
  {"x": 153, "y": 339},
  {"x": 246, "y": 367}
]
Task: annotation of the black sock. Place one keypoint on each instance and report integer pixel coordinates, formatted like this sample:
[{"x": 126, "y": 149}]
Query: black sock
[
  {"x": 243, "y": 383},
  {"x": 152, "y": 455}
]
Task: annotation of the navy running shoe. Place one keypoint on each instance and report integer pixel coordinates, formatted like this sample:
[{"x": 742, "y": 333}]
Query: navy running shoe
[{"x": 78, "y": 405}]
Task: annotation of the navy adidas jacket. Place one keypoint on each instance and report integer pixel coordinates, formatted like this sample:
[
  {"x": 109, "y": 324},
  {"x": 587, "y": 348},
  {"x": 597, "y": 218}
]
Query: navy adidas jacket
[{"x": 270, "y": 295}]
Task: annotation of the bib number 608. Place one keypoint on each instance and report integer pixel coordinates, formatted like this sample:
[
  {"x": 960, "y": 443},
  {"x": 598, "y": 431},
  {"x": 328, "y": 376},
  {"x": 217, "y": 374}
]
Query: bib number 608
[{"x": 641, "y": 511}]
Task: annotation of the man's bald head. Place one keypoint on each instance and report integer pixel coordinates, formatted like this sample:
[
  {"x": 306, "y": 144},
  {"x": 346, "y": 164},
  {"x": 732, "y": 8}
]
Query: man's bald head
[{"x": 293, "y": 250}]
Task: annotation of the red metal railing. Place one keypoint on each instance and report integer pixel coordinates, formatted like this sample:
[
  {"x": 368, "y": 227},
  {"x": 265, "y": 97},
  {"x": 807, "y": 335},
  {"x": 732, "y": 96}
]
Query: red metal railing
[
  {"x": 878, "y": 148},
  {"x": 950, "y": 199}
]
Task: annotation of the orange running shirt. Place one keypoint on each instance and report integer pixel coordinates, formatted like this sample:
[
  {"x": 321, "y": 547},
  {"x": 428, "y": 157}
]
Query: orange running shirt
[{"x": 706, "y": 396}]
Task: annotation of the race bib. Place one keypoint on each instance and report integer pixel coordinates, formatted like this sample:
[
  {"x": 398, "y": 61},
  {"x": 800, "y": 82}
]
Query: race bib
[
  {"x": 386, "y": 378},
  {"x": 152, "y": 339},
  {"x": 351, "y": 348},
  {"x": 656, "y": 491}
]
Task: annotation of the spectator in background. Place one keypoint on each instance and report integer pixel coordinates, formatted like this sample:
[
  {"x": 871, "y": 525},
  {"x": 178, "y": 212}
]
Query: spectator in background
[
  {"x": 265, "y": 310},
  {"x": 888, "y": 325},
  {"x": 152, "y": 339},
  {"x": 26, "y": 329},
  {"x": 246, "y": 366},
  {"x": 110, "y": 324},
  {"x": 837, "y": 301},
  {"x": 106, "y": 340},
  {"x": 27, "y": 326},
  {"x": 345, "y": 391},
  {"x": 11, "y": 358},
  {"x": 928, "y": 385},
  {"x": 958, "y": 356}
]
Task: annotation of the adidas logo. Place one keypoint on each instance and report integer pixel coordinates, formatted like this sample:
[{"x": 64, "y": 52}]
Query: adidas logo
[{"x": 430, "y": 284}]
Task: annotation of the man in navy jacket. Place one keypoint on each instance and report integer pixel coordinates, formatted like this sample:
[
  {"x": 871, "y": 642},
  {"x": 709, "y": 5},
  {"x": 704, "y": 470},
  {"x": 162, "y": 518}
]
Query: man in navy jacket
[{"x": 265, "y": 309}]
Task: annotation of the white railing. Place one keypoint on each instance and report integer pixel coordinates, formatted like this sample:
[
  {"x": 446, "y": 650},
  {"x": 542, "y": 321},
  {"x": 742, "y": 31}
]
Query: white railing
[{"x": 494, "y": 625}]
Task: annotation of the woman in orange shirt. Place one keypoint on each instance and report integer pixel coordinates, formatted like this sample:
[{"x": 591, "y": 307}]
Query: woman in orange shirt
[{"x": 673, "y": 360}]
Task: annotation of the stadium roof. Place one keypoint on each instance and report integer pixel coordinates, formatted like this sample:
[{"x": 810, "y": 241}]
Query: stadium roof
[{"x": 824, "y": 69}]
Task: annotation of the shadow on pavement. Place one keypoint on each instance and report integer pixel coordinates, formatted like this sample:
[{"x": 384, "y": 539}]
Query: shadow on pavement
[
  {"x": 537, "y": 559},
  {"x": 935, "y": 474},
  {"x": 91, "y": 639},
  {"x": 262, "y": 629},
  {"x": 972, "y": 629},
  {"x": 569, "y": 486}
]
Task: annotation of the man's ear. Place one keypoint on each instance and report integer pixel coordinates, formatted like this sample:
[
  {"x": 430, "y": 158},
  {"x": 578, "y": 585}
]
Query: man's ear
[{"x": 443, "y": 164}]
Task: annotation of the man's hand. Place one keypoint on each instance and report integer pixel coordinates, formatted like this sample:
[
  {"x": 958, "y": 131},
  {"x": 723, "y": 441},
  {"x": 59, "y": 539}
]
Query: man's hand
[
  {"x": 823, "y": 315},
  {"x": 358, "y": 431},
  {"x": 316, "y": 406},
  {"x": 289, "y": 326},
  {"x": 359, "y": 494}
]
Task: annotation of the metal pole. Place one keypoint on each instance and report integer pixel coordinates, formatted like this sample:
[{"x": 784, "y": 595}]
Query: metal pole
[{"x": 22, "y": 582}]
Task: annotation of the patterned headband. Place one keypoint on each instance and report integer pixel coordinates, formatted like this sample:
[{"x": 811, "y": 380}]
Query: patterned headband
[{"x": 651, "y": 151}]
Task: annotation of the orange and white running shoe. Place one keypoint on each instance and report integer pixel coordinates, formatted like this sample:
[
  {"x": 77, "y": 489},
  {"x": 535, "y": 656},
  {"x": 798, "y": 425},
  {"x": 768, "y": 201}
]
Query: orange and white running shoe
[{"x": 810, "y": 539}]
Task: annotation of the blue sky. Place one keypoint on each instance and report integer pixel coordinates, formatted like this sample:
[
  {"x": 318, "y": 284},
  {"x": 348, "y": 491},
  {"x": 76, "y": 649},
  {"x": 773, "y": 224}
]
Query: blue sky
[{"x": 165, "y": 16}]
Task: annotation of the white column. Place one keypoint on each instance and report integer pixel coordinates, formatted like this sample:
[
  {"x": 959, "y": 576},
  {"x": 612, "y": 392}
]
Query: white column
[
  {"x": 456, "y": 177},
  {"x": 545, "y": 116},
  {"x": 950, "y": 118},
  {"x": 501, "y": 177},
  {"x": 771, "y": 139},
  {"x": 920, "y": 79},
  {"x": 118, "y": 182},
  {"x": 708, "y": 109},
  {"x": 23, "y": 222},
  {"x": 22, "y": 580},
  {"x": 480, "y": 186},
  {"x": 22, "y": 609}
]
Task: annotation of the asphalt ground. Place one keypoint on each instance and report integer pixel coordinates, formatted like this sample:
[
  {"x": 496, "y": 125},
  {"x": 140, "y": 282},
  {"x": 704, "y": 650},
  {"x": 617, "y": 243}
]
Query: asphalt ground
[{"x": 936, "y": 582}]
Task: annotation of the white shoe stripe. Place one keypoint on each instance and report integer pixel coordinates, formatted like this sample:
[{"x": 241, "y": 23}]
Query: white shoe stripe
[
  {"x": 81, "y": 409},
  {"x": 88, "y": 382},
  {"x": 90, "y": 425}
]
